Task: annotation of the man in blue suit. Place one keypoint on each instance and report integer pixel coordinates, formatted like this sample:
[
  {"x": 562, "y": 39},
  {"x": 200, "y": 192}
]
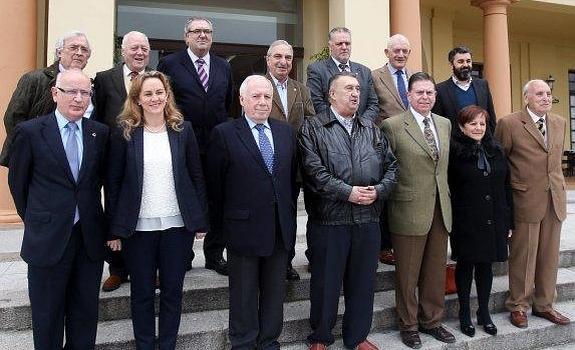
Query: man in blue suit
[
  {"x": 55, "y": 177},
  {"x": 251, "y": 175},
  {"x": 202, "y": 85}
]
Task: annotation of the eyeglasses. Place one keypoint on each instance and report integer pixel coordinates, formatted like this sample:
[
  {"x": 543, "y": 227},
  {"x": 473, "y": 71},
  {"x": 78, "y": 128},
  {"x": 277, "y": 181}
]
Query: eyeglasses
[
  {"x": 74, "y": 92},
  {"x": 199, "y": 31},
  {"x": 75, "y": 48}
]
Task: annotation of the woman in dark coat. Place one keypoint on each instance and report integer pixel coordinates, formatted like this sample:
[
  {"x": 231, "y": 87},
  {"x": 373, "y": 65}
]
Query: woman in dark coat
[{"x": 482, "y": 204}]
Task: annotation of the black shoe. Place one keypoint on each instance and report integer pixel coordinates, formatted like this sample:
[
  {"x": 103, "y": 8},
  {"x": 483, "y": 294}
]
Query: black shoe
[
  {"x": 411, "y": 339},
  {"x": 219, "y": 265},
  {"x": 439, "y": 333},
  {"x": 467, "y": 329},
  {"x": 291, "y": 274},
  {"x": 465, "y": 324},
  {"x": 487, "y": 324}
]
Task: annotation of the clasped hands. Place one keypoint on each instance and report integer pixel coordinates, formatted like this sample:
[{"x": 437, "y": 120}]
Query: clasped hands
[
  {"x": 362, "y": 195},
  {"x": 116, "y": 244}
]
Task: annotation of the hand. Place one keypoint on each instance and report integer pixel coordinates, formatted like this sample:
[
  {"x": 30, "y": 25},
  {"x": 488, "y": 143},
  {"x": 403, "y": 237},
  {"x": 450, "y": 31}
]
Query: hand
[
  {"x": 200, "y": 235},
  {"x": 509, "y": 234},
  {"x": 115, "y": 245},
  {"x": 362, "y": 195}
]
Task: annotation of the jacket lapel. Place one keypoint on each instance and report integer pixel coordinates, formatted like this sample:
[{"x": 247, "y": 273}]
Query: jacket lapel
[
  {"x": 88, "y": 141},
  {"x": 451, "y": 94},
  {"x": 138, "y": 144},
  {"x": 443, "y": 136},
  {"x": 331, "y": 67},
  {"x": 480, "y": 95},
  {"x": 291, "y": 95},
  {"x": 413, "y": 130},
  {"x": 388, "y": 81},
  {"x": 531, "y": 128},
  {"x": 53, "y": 139},
  {"x": 174, "y": 139},
  {"x": 118, "y": 81},
  {"x": 276, "y": 98},
  {"x": 247, "y": 139},
  {"x": 186, "y": 61}
]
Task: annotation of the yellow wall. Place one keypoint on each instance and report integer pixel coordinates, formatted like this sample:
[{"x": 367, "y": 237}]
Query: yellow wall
[
  {"x": 95, "y": 18},
  {"x": 315, "y": 26}
]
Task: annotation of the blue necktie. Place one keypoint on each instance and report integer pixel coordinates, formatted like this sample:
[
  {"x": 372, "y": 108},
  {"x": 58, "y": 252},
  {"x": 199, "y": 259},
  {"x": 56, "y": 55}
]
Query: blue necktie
[
  {"x": 401, "y": 88},
  {"x": 73, "y": 157},
  {"x": 265, "y": 147}
]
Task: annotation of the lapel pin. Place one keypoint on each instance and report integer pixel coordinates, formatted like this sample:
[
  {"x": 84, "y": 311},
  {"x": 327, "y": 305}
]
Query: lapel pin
[{"x": 93, "y": 134}]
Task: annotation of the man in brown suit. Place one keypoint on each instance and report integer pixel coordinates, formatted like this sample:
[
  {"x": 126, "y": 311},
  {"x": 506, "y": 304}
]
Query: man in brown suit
[
  {"x": 291, "y": 103},
  {"x": 533, "y": 140},
  {"x": 390, "y": 84}
]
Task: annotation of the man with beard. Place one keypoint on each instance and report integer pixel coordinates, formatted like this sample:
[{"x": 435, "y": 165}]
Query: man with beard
[{"x": 462, "y": 90}]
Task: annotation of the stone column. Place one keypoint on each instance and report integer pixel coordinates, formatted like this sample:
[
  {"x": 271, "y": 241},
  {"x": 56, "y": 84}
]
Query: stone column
[
  {"x": 405, "y": 19},
  {"x": 19, "y": 28},
  {"x": 496, "y": 52}
]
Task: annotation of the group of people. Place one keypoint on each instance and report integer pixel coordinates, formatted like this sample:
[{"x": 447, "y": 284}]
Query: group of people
[{"x": 391, "y": 166}]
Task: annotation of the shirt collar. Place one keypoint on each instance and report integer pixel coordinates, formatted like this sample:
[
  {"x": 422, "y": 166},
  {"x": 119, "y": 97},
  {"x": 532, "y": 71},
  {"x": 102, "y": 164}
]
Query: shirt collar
[
  {"x": 194, "y": 58},
  {"x": 61, "y": 68},
  {"x": 62, "y": 121},
  {"x": 277, "y": 82},
  {"x": 534, "y": 116},
  {"x": 462, "y": 83},
  {"x": 339, "y": 117},
  {"x": 419, "y": 117},
  {"x": 252, "y": 124},
  {"x": 392, "y": 70},
  {"x": 127, "y": 71},
  {"x": 337, "y": 63}
]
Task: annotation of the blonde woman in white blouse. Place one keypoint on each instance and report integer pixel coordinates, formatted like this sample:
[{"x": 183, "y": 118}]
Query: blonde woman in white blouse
[{"x": 156, "y": 203}]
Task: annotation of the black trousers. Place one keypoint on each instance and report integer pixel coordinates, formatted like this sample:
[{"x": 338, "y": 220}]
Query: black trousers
[
  {"x": 384, "y": 227},
  {"x": 343, "y": 254},
  {"x": 116, "y": 264},
  {"x": 214, "y": 242},
  {"x": 66, "y": 296},
  {"x": 464, "y": 272},
  {"x": 145, "y": 253},
  {"x": 257, "y": 292}
]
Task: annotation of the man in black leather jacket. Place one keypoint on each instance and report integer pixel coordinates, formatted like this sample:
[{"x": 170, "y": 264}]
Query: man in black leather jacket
[{"x": 348, "y": 171}]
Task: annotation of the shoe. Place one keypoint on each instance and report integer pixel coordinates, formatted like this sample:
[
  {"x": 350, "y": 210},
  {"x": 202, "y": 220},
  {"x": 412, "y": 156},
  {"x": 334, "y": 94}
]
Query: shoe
[
  {"x": 366, "y": 345},
  {"x": 487, "y": 324},
  {"x": 519, "y": 319},
  {"x": 219, "y": 265},
  {"x": 386, "y": 257},
  {"x": 411, "y": 339},
  {"x": 317, "y": 346},
  {"x": 465, "y": 324},
  {"x": 553, "y": 316},
  {"x": 467, "y": 329},
  {"x": 112, "y": 283},
  {"x": 291, "y": 274},
  {"x": 439, "y": 333}
]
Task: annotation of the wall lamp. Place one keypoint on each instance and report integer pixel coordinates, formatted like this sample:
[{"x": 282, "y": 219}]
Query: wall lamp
[{"x": 551, "y": 81}]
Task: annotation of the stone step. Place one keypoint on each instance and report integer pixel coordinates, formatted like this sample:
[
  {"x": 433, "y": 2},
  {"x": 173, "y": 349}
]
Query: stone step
[
  {"x": 207, "y": 330},
  {"x": 204, "y": 290}
]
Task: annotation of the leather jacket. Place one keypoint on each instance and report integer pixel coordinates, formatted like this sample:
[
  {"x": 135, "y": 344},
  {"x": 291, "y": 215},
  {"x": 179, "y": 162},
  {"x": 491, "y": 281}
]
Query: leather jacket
[{"x": 333, "y": 162}]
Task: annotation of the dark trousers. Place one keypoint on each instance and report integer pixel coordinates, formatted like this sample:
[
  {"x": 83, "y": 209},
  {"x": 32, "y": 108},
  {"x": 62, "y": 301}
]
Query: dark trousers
[
  {"x": 343, "y": 254},
  {"x": 483, "y": 281},
  {"x": 214, "y": 242},
  {"x": 257, "y": 291},
  {"x": 144, "y": 253},
  {"x": 116, "y": 265},
  {"x": 66, "y": 295},
  {"x": 384, "y": 227}
]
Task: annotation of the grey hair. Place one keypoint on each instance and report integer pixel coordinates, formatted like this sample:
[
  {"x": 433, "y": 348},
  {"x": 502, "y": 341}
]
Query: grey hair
[
  {"x": 278, "y": 43},
  {"x": 338, "y": 30},
  {"x": 62, "y": 40},
  {"x": 396, "y": 39},
  {"x": 133, "y": 33},
  {"x": 197, "y": 18},
  {"x": 247, "y": 80},
  {"x": 528, "y": 85}
]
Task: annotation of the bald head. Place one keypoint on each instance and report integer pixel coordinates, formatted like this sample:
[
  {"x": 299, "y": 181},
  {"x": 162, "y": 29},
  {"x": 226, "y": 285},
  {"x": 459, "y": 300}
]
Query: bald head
[
  {"x": 537, "y": 96},
  {"x": 136, "y": 51},
  {"x": 72, "y": 93},
  {"x": 397, "y": 51}
]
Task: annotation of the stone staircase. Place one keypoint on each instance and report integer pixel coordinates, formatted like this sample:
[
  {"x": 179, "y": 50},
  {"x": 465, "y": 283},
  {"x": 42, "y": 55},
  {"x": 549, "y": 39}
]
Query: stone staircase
[{"x": 205, "y": 316}]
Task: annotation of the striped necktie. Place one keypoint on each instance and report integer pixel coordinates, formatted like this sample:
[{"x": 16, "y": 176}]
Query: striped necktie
[
  {"x": 202, "y": 73},
  {"x": 429, "y": 138}
]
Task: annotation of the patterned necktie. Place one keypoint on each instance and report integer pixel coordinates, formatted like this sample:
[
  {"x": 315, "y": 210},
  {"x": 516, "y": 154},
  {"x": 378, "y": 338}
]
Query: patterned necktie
[
  {"x": 343, "y": 67},
  {"x": 541, "y": 126},
  {"x": 265, "y": 147},
  {"x": 72, "y": 149},
  {"x": 430, "y": 139},
  {"x": 401, "y": 88},
  {"x": 202, "y": 73},
  {"x": 133, "y": 75}
]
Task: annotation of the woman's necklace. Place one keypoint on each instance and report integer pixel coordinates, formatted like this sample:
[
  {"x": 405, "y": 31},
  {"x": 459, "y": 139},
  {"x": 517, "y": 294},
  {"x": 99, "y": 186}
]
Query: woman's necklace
[{"x": 155, "y": 130}]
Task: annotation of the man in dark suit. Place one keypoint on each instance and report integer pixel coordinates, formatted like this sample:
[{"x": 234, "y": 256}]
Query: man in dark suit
[
  {"x": 111, "y": 88},
  {"x": 251, "y": 174},
  {"x": 319, "y": 73},
  {"x": 55, "y": 177},
  {"x": 291, "y": 103},
  {"x": 202, "y": 85},
  {"x": 462, "y": 90},
  {"x": 33, "y": 95}
]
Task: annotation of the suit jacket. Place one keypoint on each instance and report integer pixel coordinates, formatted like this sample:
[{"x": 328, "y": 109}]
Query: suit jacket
[
  {"x": 110, "y": 94},
  {"x": 46, "y": 194},
  {"x": 299, "y": 103},
  {"x": 535, "y": 168},
  {"x": 318, "y": 75},
  {"x": 203, "y": 109},
  {"x": 390, "y": 102},
  {"x": 446, "y": 103},
  {"x": 247, "y": 203},
  {"x": 125, "y": 180},
  {"x": 411, "y": 205}
]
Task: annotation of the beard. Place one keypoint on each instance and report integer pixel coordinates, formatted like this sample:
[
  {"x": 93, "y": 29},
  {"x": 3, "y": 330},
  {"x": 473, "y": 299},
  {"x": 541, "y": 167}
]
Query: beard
[{"x": 462, "y": 73}]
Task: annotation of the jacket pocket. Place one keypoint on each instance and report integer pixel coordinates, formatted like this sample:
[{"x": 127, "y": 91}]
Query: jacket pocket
[
  {"x": 237, "y": 214},
  {"x": 519, "y": 186}
]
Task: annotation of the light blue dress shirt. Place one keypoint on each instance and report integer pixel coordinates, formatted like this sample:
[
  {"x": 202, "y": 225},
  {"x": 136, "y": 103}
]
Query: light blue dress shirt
[
  {"x": 65, "y": 133},
  {"x": 255, "y": 132}
]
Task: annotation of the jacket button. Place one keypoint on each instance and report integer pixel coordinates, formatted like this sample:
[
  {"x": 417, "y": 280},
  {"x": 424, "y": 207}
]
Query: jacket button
[
  {"x": 489, "y": 222},
  {"x": 488, "y": 198}
]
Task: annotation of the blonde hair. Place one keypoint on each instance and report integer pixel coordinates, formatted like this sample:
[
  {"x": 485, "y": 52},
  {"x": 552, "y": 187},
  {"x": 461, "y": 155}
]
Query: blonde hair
[{"x": 132, "y": 115}]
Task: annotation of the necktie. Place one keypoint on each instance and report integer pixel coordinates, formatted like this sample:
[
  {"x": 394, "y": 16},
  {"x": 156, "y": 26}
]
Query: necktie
[
  {"x": 343, "y": 67},
  {"x": 541, "y": 126},
  {"x": 202, "y": 73},
  {"x": 265, "y": 147},
  {"x": 401, "y": 88},
  {"x": 72, "y": 149},
  {"x": 133, "y": 75},
  {"x": 430, "y": 139}
]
